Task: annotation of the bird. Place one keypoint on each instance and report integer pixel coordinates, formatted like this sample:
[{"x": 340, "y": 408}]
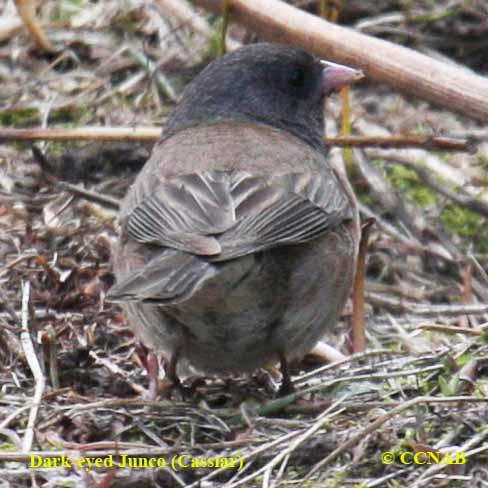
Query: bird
[{"x": 238, "y": 239}]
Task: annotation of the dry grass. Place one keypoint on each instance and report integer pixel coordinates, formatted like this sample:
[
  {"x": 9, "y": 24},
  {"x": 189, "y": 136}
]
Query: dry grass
[{"x": 422, "y": 383}]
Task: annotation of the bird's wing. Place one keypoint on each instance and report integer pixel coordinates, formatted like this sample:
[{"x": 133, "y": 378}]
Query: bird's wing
[
  {"x": 184, "y": 213},
  {"x": 217, "y": 216},
  {"x": 224, "y": 215},
  {"x": 284, "y": 209}
]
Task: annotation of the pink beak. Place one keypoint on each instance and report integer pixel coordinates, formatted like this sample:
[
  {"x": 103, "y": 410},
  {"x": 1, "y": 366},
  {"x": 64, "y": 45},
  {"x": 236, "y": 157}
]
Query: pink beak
[{"x": 335, "y": 76}]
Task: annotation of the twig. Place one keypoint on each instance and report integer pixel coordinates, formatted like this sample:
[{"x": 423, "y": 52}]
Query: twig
[
  {"x": 451, "y": 329},
  {"x": 404, "y": 306},
  {"x": 152, "y": 134},
  {"x": 466, "y": 289},
  {"x": 26, "y": 9},
  {"x": 429, "y": 143},
  {"x": 13, "y": 415},
  {"x": 50, "y": 340},
  {"x": 5, "y": 270},
  {"x": 345, "y": 116},
  {"x": 367, "y": 377},
  {"x": 34, "y": 366},
  {"x": 358, "y": 335},
  {"x": 348, "y": 359},
  {"x": 223, "y": 29},
  {"x": 63, "y": 185},
  {"x": 89, "y": 195},
  {"x": 82, "y": 134}
]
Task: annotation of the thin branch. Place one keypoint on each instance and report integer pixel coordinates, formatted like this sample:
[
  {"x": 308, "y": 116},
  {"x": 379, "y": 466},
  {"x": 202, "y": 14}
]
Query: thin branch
[
  {"x": 428, "y": 143},
  {"x": 75, "y": 190},
  {"x": 404, "y": 306},
  {"x": 152, "y": 134},
  {"x": 451, "y": 329},
  {"x": 82, "y": 134},
  {"x": 91, "y": 196},
  {"x": 26, "y": 9},
  {"x": 34, "y": 366},
  {"x": 358, "y": 335}
]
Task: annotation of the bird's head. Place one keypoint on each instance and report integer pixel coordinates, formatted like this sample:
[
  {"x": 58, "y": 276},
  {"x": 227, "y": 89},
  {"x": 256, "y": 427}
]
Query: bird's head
[{"x": 274, "y": 84}]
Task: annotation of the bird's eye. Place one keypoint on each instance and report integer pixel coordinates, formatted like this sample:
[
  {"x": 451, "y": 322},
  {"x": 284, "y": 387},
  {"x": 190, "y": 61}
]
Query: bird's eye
[{"x": 297, "y": 77}]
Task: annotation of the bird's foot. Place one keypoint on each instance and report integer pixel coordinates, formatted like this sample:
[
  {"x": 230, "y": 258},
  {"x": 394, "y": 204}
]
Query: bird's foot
[
  {"x": 286, "y": 387},
  {"x": 174, "y": 389}
]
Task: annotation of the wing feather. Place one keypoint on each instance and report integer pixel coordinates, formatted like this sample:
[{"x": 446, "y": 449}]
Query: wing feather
[{"x": 226, "y": 214}]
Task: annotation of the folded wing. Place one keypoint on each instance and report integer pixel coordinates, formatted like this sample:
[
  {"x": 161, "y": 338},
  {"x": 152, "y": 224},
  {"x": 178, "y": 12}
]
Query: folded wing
[{"x": 214, "y": 216}]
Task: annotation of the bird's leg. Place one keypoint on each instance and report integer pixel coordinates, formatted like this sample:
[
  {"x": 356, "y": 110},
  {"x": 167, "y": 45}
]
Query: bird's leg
[
  {"x": 150, "y": 362},
  {"x": 185, "y": 391},
  {"x": 171, "y": 370},
  {"x": 286, "y": 384},
  {"x": 153, "y": 373}
]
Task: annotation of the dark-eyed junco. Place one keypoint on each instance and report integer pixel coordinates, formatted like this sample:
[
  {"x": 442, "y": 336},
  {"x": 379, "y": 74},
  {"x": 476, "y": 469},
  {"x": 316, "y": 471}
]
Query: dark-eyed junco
[{"x": 238, "y": 239}]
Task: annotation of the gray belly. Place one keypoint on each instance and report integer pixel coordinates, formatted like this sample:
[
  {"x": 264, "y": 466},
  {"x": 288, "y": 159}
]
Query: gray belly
[{"x": 282, "y": 300}]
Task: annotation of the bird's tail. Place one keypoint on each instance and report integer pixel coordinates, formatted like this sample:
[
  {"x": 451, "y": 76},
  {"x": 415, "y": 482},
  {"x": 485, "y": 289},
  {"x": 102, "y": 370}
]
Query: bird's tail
[{"x": 168, "y": 279}]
